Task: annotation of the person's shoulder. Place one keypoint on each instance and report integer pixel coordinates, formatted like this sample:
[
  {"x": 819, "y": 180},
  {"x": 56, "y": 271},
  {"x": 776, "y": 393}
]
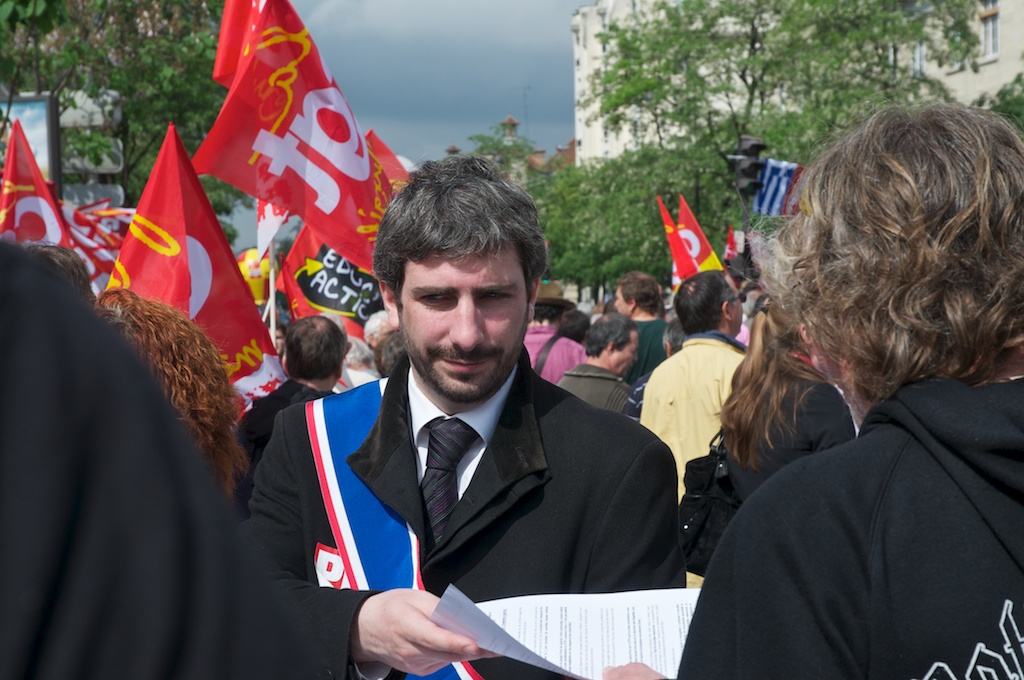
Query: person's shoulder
[
  {"x": 569, "y": 418},
  {"x": 569, "y": 344},
  {"x": 853, "y": 475},
  {"x": 822, "y": 391},
  {"x": 657, "y": 323}
]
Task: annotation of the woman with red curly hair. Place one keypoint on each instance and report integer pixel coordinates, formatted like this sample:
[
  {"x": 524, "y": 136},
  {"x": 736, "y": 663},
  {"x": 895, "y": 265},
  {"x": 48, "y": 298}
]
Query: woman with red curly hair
[{"x": 191, "y": 371}]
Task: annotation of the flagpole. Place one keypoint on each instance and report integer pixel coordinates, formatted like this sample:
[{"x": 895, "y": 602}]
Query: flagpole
[{"x": 272, "y": 294}]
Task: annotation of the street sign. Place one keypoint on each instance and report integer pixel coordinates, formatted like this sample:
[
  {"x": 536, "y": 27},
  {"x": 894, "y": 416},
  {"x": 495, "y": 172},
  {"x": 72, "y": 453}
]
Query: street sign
[
  {"x": 84, "y": 194},
  {"x": 110, "y": 163}
]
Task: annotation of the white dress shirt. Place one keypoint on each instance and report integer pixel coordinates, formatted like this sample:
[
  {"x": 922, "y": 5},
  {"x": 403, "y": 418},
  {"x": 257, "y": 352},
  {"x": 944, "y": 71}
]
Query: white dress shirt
[{"x": 483, "y": 419}]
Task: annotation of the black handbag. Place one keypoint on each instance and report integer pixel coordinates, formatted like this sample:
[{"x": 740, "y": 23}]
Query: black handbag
[{"x": 707, "y": 506}]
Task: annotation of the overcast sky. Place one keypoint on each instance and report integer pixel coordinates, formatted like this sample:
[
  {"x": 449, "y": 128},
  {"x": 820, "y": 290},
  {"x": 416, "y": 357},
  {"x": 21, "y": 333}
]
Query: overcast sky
[{"x": 426, "y": 75}]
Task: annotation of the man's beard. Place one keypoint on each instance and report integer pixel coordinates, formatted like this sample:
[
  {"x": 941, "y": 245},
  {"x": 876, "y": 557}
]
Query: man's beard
[{"x": 476, "y": 391}]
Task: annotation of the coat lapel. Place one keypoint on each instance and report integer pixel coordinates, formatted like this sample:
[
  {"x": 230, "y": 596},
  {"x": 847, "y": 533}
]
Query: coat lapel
[{"x": 513, "y": 465}]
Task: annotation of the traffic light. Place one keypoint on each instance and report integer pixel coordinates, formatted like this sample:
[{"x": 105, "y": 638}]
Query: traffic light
[{"x": 748, "y": 165}]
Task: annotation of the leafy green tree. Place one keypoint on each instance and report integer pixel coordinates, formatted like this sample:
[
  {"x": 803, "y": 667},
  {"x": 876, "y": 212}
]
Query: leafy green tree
[
  {"x": 1008, "y": 100},
  {"x": 602, "y": 220},
  {"x": 157, "y": 55},
  {"x": 503, "y": 144},
  {"x": 515, "y": 153},
  {"x": 702, "y": 70},
  {"x": 691, "y": 76}
]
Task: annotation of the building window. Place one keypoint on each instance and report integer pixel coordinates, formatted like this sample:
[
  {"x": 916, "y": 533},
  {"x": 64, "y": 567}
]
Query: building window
[
  {"x": 917, "y": 61},
  {"x": 989, "y": 28}
]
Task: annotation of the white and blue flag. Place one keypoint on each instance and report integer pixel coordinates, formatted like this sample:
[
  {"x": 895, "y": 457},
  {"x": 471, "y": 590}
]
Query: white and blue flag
[{"x": 775, "y": 179}]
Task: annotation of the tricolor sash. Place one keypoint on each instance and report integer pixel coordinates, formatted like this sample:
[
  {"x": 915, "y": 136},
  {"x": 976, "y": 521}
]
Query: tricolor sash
[{"x": 377, "y": 549}]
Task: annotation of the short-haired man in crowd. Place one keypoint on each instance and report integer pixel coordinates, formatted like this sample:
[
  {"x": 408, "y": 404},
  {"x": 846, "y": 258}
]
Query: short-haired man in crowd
[
  {"x": 464, "y": 467},
  {"x": 611, "y": 350},
  {"x": 898, "y": 554},
  {"x": 684, "y": 395},
  {"x": 638, "y": 296},
  {"x": 314, "y": 349},
  {"x": 551, "y": 354}
]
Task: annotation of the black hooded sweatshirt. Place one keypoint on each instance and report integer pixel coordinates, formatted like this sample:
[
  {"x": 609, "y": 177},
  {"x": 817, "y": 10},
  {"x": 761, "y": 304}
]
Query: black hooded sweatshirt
[{"x": 897, "y": 555}]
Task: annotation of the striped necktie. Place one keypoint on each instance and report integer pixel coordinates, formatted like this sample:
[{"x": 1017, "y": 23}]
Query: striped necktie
[{"x": 449, "y": 441}]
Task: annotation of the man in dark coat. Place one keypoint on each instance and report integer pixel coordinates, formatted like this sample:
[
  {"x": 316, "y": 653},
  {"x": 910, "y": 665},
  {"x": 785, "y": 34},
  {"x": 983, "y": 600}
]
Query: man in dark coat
[
  {"x": 314, "y": 351},
  {"x": 120, "y": 557},
  {"x": 552, "y": 495}
]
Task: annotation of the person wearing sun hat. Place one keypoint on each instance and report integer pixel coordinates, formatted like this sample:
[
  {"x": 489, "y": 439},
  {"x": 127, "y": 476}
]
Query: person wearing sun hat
[{"x": 551, "y": 355}]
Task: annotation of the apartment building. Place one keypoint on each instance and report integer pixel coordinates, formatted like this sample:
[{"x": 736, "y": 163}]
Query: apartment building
[{"x": 593, "y": 138}]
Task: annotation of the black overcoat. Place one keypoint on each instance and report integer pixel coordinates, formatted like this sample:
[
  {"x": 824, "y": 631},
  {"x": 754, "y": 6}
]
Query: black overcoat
[{"x": 567, "y": 498}]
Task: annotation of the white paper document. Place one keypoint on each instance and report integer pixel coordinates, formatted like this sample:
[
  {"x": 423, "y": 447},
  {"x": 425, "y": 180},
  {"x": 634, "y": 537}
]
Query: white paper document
[{"x": 577, "y": 635}]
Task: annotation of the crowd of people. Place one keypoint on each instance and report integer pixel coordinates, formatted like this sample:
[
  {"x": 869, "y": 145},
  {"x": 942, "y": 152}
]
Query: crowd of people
[{"x": 487, "y": 433}]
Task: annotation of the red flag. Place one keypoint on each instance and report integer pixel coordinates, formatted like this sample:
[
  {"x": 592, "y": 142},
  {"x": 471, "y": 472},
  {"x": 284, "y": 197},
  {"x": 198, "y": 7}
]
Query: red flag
[
  {"x": 270, "y": 218},
  {"x": 28, "y": 209},
  {"x": 791, "y": 201},
  {"x": 235, "y": 34},
  {"x": 730, "y": 245},
  {"x": 175, "y": 251},
  {"x": 396, "y": 173},
  {"x": 317, "y": 279},
  {"x": 111, "y": 221},
  {"x": 287, "y": 136},
  {"x": 96, "y": 247},
  {"x": 691, "y": 252}
]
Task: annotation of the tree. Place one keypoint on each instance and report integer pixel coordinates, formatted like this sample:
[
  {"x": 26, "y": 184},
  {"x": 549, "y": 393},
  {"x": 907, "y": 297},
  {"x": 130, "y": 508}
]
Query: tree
[
  {"x": 503, "y": 144},
  {"x": 1009, "y": 101},
  {"x": 693, "y": 75},
  {"x": 602, "y": 220},
  {"x": 156, "y": 55},
  {"x": 698, "y": 70}
]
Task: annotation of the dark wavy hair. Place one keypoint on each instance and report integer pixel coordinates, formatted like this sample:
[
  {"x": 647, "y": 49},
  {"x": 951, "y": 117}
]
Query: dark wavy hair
[
  {"x": 907, "y": 258},
  {"x": 67, "y": 264},
  {"x": 190, "y": 369},
  {"x": 455, "y": 207}
]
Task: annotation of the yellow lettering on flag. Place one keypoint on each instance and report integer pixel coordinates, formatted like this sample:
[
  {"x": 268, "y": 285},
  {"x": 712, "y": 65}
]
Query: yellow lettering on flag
[
  {"x": 118, "y": 277},
  {"x": 379, "y": 196},
  {"x": 250, "y": 354},
  {"x": 142, "y": 228},
  {"x": 283, "y": 77},
  {"x": 10, "y": 187}
]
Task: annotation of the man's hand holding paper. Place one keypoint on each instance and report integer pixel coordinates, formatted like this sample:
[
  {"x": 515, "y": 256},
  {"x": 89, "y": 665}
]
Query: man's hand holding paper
[{"x": 393, "y": 628}]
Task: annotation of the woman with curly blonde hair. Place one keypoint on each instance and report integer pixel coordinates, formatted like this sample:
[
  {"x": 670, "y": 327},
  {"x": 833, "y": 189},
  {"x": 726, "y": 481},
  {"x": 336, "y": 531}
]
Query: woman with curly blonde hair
[
  {"x": 898, "y": 554},
  {"x": 191, "y": 372}
]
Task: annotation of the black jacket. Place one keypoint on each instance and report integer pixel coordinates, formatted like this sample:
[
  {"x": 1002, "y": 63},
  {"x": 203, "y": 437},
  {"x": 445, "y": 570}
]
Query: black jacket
[
  {"x": 822, "y": 421},
  {"x": 897, "y": 555},
  {"x": 258, "y": 423},
  {"x": 118, "y": 554},
  {"x": 566, "y": 498}
]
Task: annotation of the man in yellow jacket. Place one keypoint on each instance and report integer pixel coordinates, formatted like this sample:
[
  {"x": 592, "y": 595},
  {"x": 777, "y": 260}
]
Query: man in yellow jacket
[{"x": 685, "y": 394}]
